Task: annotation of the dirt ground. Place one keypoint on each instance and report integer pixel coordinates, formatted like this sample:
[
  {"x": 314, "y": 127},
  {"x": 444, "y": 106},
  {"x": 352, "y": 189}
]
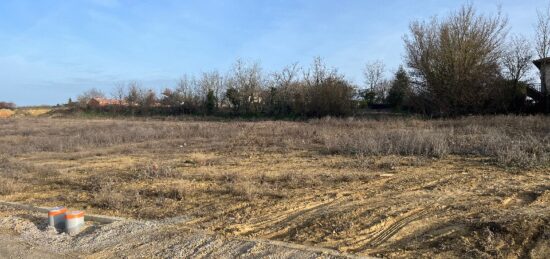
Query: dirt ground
[
  {"x": 456, "y": 206},
  {"x": 5, "y": 113},
  {"x": 26, "y": 112},
  {"x": 25, "y": 234}
]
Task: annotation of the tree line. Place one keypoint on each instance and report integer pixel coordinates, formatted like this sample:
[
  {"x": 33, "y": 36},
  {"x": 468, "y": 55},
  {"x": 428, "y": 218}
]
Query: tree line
[
  {"x": 7, "y": 105},
  {"x": 244, "y": 91},
  {"x": 463, "y": 63}
]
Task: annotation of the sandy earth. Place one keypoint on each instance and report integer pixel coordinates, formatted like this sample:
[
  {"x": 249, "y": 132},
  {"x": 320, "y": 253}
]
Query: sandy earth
[
  {"x": 451, "y": 208},
  {"x": 24, "y": 234},
  {"x": 5, "y": 113},
  {"x": 26, "y": 112},
  {"x": 447, "y": 209}
]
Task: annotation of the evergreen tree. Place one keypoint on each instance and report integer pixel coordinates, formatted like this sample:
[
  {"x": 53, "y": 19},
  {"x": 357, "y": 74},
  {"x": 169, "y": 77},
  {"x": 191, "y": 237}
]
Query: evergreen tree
[
  {"x": 211, "y": 101},
  {"x": 399, "y": 89}
]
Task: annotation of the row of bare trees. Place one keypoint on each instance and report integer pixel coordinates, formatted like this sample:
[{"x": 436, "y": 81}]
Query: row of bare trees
[
  {"x": 463, "y": 63},
  {"x": 244, "y": 90}
]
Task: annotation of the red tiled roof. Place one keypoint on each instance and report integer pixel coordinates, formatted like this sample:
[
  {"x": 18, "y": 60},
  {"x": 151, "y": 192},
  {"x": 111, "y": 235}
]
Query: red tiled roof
[{"x": 105, "y": 101}]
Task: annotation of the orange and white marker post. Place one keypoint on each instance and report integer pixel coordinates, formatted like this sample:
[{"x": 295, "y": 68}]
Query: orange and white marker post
[
  {"x": 56, "y": 217},
  {"x": 75, "y": 221}
]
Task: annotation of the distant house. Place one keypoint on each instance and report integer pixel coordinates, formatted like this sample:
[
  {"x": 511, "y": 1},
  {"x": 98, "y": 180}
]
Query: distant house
[
  {"x": 542, "y": 95},
  {"x": 254, "y": 99},
  {"x": 103, "y": 102},
  {"x": 544, "y": 66}
]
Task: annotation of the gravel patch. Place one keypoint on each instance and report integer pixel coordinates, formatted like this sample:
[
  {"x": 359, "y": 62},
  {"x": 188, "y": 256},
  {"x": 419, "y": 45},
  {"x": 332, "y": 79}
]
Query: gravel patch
[{"x": 156, "y": 239}]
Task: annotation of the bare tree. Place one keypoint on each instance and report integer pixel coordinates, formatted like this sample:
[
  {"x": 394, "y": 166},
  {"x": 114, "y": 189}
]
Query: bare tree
[
  {"x": 119, "y": 92},
  {"x": 185, "y": 86},
  {"x": 286, "y": 94},
  {"x": 149, "y": 98},
  {"x": 287, "y": 76},
  {"x": 245, "y": 84},
  {"x": 382, "y": 90},
  {"x": 89, "y": 94},
  {"x": 134, "y": 93},
  {"x": 374, "y": 73},
  {"x": 517, "y": 59},
  {"x": 542, "y": 33},
  {"x": 211, "y": 81},
  {"x": 328, "y": 93},
  {"x": 455, "y": 61},
  {"x": 542, "y": 45},
  {"x": 375, "y": 82},
  {"x": 319, "y": 72}
]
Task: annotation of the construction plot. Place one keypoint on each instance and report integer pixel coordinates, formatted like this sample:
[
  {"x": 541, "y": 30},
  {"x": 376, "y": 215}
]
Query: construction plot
[{"x": 472, "y": 188}]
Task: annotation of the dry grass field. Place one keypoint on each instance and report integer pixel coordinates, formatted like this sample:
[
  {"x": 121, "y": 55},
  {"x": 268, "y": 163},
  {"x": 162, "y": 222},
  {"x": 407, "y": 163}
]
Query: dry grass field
[{"x": 397, "y": 187}]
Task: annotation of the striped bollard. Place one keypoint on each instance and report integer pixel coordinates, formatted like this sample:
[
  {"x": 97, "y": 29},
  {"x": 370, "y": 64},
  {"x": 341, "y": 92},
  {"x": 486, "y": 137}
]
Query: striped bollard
[
  {"x": 56, "y": 217},
  {"x": 75, "y": 221}
]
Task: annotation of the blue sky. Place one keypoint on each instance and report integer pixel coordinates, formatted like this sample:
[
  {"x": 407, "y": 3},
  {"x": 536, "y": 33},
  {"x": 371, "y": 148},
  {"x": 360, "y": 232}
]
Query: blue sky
[{"x": 53, "y": 50}]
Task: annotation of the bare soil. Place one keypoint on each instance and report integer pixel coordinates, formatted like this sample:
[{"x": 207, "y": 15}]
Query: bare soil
[
  {"x": 24, "y": 234},
  {"x": 281, "y": 181}
]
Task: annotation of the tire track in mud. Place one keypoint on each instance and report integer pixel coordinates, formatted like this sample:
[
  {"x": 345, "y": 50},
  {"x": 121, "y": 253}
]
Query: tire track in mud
[
  {"x": 372, "y": 238},
  {"x": 278, "y": 224},
  {"x": 376, "y": 239},
  {"x": 280, "y": 219},
  {"x": 261, "y": 220},
  {"x": 395, "y": 227}
]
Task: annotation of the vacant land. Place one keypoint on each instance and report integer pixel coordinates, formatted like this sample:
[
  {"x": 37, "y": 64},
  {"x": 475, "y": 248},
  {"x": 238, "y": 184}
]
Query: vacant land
[{"x": 471, "y": 187}]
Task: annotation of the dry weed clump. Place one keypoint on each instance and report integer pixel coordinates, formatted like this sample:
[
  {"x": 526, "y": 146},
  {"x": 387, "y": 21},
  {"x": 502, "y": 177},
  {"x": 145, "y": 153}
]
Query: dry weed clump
[
  {"x": 175, "y": 192},
  {"x": 172, "y": 191},
  {"x": 523, "y": 154},
  {"x": 11, "y": 168},
  {"x": 111, "y": 196},
  {"x": 243, "y": 190},
  {"x": 424, "y": 142},
  {"x": 8, "y": 186},
  {"x": 509, "y": 140},
  {"x": 153, "y": 170}
]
